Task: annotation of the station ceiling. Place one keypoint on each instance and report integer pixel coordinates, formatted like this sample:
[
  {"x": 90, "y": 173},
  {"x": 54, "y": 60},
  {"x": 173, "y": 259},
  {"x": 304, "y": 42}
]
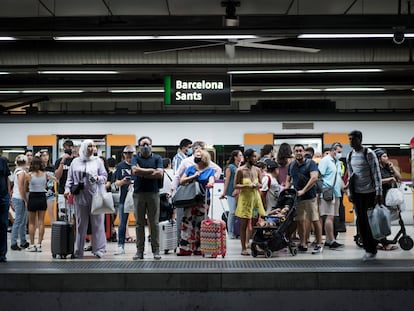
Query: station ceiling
[{"x": 329, "y": 72}]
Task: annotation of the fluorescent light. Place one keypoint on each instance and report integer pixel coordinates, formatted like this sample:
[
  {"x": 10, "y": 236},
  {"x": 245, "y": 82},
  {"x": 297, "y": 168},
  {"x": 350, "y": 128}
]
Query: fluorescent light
[
  {"x": 5, "y": 38},
  {"x": 344, "y": 70},
  {"x": 86, "y": 72},
  {"x": 51, "y": 91},
  {"x": 186, "y": 37},
  {"x": 242, "y": 72},
  {"x": 4, "y": 73},
  {"x": 355, "y": 89},
  {"x": 350, "y": 35},
  {"x": 291, "y": 90},
  {"x": 9, "y": 92},
  {"x": 137, "y": 91}
]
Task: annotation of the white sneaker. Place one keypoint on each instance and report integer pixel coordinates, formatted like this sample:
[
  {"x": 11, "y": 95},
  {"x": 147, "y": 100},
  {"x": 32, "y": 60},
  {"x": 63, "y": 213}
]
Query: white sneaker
[
  {"x": 99, "y": 254},
  {"x": 31, "y": 249},
  {"x": 120, "y": 251},
  {"x": 369, "y": 256},
  {"x": 39, "y": 248}
]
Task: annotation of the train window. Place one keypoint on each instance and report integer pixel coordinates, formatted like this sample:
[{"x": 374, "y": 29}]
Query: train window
[{"x": 10, "y": 153}]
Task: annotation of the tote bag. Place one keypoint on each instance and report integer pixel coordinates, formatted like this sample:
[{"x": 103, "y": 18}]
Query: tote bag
[
  {"x": 102, "y": 203},
  {"x": 189, "y": 195},
  {"x": 129, "y": 206}
]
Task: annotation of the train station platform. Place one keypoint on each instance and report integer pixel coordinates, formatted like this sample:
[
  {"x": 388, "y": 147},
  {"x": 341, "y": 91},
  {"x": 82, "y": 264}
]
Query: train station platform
[{"x": 332, "y": 280}]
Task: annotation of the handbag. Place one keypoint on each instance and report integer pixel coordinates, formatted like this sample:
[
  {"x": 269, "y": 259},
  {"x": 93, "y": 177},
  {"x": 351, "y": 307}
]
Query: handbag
[
  {"x": 394, "y": 196},
  {"x": 129, "y": 206},
  {"x": 327, "y": 192},
  {"x": 102, "y": 203},
  {"x": 189, "y": 195},
  {"x": 379, "y": 219}
]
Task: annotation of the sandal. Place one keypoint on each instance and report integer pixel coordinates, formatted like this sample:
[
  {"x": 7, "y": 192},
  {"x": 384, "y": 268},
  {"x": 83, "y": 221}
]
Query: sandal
[{"x": 245, "y": 253}]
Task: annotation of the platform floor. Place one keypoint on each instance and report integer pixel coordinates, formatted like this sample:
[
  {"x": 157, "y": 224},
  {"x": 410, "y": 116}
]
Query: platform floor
[{"x": 332, "y": 280}]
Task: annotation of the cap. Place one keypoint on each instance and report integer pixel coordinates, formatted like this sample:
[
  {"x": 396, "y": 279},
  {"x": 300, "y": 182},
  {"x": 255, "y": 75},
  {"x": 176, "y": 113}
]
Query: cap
[
  {"x": 272, "y": 165},
  {"x": 379, "y": 152},
  {"x": 129, "y": 149}
]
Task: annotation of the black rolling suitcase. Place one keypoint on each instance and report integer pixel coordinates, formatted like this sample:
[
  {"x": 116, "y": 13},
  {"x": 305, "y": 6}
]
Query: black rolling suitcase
[{"x": 63, "y": 237}]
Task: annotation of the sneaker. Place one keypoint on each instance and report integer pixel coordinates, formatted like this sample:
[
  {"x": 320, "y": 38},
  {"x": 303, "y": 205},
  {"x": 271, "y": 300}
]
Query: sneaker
[
  {"x": 14, "y": 247},
  {"x": 317, "y": 249},
  {"x": 157, "y": 256},
  {"x": 31, "y": 249},
  {"x": 39, "y": 248},
  {"x": 335, "y": 245},
  {"x": 99, "y": 254},
  {"x": 302, "y": 248},
  {"x": 314, "y": 243},
  {"x": 369, "y": 256},
  {"x": 120, "y": 251},
  {"x": 138, "y": 255},
  {"x": 149, "y": 239},
  {"x": 3, "y": 259},
  {"x": 25, "y": 245}
]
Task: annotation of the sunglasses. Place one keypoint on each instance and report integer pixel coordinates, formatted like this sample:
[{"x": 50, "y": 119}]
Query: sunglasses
[{"x": 128, "y": 152}]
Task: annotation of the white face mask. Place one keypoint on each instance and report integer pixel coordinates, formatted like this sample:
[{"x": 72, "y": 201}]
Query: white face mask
[{"x": 338, "y": 155}]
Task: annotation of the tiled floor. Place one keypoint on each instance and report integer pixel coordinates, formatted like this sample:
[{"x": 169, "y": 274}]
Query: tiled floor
[{"x": 350, "y": 251}]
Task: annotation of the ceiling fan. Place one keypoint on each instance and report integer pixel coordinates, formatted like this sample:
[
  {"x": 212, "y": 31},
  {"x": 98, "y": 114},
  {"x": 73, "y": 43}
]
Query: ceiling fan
[{"x": 231, "y": 44}]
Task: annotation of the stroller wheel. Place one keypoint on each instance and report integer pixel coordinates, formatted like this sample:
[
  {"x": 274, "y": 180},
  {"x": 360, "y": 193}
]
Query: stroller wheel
[
  {"x": 254, "y": 250},
  {"x": 358, "y": 240},
  {"x": 268, "y": 253},
  {"x": 406, "y": 243}
]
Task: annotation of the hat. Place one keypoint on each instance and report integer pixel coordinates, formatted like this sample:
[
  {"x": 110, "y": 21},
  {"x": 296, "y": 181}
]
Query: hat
[
  {"x": 129, "y": 149},
  {"x": 271, "y": 165},
  {"x": 379, "y": 152}
]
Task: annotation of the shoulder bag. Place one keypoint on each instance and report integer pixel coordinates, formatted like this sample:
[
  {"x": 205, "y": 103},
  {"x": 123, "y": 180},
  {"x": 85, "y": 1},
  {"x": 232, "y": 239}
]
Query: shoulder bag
[
  {"x": 327, "y": 192},
  {"x": 102, "y": 203},
  {"x": 189, "y": 195}
]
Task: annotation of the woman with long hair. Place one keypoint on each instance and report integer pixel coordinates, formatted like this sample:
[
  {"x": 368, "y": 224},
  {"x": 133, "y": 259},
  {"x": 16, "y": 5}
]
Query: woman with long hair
[
  {"x": 283, "y": 158},
  {"x": 50, "y": 191},
  {"x": 233, "y": 164}
]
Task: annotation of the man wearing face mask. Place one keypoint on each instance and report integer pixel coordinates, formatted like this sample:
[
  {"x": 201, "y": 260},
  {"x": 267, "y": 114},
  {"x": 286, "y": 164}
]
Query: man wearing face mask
[
  {"x": 185, "y": 151},
  {"x": 147, "y": 169},
  {"x": 330, "y": 169}
]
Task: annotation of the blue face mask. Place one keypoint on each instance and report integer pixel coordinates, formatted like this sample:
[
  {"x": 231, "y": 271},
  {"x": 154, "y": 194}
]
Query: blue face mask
[
  {"x": 145, "y": 150},
  {"x": 189, "y": 152}
]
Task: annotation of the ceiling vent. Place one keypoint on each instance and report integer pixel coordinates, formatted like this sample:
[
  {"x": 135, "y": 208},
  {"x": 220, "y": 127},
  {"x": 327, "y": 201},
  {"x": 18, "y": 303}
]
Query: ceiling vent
[{"x": 297, "y": 126}]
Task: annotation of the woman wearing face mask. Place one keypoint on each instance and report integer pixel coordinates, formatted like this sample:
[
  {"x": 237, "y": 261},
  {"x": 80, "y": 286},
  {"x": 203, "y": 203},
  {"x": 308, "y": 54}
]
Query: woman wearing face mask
[
  {"x": 89, "y": 171},
  {"x": 389, "y": 176},
  {"x": 194, "y": 215}
]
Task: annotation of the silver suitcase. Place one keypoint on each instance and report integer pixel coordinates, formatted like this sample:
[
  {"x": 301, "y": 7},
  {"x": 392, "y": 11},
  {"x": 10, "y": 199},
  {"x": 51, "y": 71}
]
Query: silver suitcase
[{"x": 168, "y": 235}]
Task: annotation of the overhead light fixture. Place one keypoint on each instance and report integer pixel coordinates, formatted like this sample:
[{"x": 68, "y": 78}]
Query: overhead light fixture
[
  {"x": 350, "y": 35},
  {"x": 9, "y": 92},
  {"x": 292, "y": 90},
  {"x": 38, "y": 91},
  {"x": 86, "y": 72},
  {"x": 355, "y": 89},
  {"x": 4, "y": 73},
  {"x": 180, "y": 37},
  {"x": 137, "y": 91},
  {"x": 294, "y": 71},
  {"x": 6, "y": 38},
  {"x": 230, "y": 19}
]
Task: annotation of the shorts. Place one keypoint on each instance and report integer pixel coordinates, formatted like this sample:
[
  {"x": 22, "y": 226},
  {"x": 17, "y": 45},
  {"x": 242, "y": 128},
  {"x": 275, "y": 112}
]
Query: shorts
[
  {"x": 307, "y": 210},
  {"x": 37, "y": 202},
  {"x": 330, "y": 208}
]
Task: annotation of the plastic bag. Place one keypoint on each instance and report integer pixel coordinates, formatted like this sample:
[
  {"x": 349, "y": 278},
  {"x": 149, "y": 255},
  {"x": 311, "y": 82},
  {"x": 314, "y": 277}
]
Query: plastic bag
[
  {"x": 379, "y": 219},
  {"x": 394, "y": 196}
]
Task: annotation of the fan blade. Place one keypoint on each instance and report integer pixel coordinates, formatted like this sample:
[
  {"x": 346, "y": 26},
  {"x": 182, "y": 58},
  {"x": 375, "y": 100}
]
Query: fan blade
[
  {"x": 261, "y": 39},
  {"x": 276, "y": 47},
  {"x": 230, "y": 50},
  {"x": 184, "y": 48}
]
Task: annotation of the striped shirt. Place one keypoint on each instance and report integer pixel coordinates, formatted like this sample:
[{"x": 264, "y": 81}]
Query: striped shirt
[{"x": 367, "y": 171}]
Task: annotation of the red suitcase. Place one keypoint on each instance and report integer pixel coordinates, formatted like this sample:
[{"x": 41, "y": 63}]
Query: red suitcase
[{"x": 212, "y": 235}]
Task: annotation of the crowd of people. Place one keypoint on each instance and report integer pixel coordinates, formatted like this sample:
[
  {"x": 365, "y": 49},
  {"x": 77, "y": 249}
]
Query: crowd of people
[{"x": 252, "y": 185}]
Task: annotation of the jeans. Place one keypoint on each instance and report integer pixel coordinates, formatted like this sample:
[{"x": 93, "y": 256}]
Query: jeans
[
  {"x": 4, "y": 223},
  {"x": 232, "y": 202},
  {"x": 123, "y": 221},
  {"x": 20, "y": 222}
]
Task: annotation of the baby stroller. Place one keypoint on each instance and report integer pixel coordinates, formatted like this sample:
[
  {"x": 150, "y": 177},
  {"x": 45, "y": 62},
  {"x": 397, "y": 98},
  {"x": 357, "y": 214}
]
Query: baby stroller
[
  {"x": 274, "y": 236},
  {"x": 406, "y": 242}
]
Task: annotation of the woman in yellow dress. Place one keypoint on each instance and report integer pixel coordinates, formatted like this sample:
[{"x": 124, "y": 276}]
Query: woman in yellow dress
[{"x": 249, "y": 203}]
